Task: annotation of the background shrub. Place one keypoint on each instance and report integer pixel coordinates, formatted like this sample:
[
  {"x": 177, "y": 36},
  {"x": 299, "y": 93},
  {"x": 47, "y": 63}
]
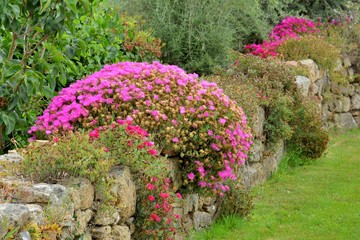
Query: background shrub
[
  {"x": 310, "y": 47},
  {"x": 198, "y": 33}
]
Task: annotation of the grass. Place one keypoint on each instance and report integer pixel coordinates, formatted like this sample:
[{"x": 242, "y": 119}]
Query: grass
[{"x": 320, "y": 200}]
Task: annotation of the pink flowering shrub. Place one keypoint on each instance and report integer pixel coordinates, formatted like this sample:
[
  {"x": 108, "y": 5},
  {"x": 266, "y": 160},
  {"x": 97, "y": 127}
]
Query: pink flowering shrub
[
  {"x": 196, "y": 120},
  {"x": 289, "y": 28},
  {"x": 156, "y": 201}
]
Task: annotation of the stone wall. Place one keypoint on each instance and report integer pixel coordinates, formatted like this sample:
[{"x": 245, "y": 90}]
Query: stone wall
[{"x": 79, "y": 210}]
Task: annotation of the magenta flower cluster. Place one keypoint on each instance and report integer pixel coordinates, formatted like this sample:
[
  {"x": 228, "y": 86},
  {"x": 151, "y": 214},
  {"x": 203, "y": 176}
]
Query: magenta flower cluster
[
  {"x": 194, "y": 118},
  {"x": 289, "y": 27}
]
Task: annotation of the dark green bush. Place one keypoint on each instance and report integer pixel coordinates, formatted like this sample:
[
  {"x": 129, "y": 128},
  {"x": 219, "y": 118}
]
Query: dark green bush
[
  {"x": 57, "y": 50},
  {"x": 310, "y": 137}
]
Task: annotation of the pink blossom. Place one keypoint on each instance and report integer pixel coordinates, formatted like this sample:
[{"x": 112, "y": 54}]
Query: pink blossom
[
  {"x": 202, "y": 184},
  {"x": 155, "y": 113},
  {"x": 178, "y": 195},
  {"x": 175, "y": 140},
  {"x": 215, "y": 147},
  {"x": 155, "y": 217},
  {"x": 152, "y": 152},
  {"x": 191, "y": 176},
  {"x": 151, "y": 198},
  {"x": 150, "y": 186},
  {"x": 222, "y": 121},
  {"x": 164, "y": 195},
  {"x": 182, "y": 110},
  {"x": 94, "y": 134}
]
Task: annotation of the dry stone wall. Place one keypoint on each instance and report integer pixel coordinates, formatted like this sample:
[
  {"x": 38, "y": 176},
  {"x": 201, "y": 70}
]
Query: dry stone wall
[{"x": 78, "y": 208}]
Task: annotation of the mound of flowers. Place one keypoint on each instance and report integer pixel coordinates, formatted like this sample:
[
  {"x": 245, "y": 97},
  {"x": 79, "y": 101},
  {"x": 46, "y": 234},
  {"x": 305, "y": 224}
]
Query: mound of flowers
[
  {"x": 196, "y": 120},
  {"x": 288, "y": 28}
]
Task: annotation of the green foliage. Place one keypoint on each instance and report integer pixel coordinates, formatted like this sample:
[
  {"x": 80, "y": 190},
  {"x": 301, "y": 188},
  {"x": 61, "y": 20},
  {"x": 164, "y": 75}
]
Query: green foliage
[
  {"x": 317, "y": 8},
  {"x": 197, "y": 33},
  {"x": 105, "y": 37},
  {"x": 26, "y": 28},
  {"x": 310, "y": 47},
  {"x": 310, "y": 137},
  {"x": 254, "y": 81},
  {"x": 45, "y": 45},
  {"x": 76, "y": 155},
  {"x": 246, "y": 95},
  {"x": 92, "y": 154},
  {"x": 279, "y": 114},
  {"x": 237, "y": 202}
]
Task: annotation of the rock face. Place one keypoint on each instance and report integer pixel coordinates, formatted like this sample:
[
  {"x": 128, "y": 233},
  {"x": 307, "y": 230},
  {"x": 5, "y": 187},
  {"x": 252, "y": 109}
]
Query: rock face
[
  {"x": 345, "y": 121},
  {"x": 304, "y": 84},
  {"x": 313, "y": 69},
  {"x": 201, "y": 220},
  {"x": 14, "y": 215},
  {"x": 124, "y": 190}
]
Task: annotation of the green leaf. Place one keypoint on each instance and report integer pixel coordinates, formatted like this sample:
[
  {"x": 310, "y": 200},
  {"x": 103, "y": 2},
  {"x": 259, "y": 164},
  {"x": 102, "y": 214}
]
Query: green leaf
[
  {"x": 9, "y": 121},
  {"x": 46, "y": 6},
  {"x": 13, "y": 102},
  {"x": 15, "y": 10},
  {"x": 14, "y": 68},
  {"x": 48, "y": 92}
]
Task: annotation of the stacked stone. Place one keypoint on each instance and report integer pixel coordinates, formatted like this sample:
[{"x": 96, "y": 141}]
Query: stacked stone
[{"x": 72, "y": 204}]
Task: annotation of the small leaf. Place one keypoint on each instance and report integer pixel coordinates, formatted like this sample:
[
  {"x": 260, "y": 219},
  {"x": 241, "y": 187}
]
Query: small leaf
[
  {"x": 13, "y": 102},
  {"x": 9, "y": 121},
  {"x": 12, "y": 70},
  {"x": 46, "y": 6},
  {"x": 48, "y": 92}
]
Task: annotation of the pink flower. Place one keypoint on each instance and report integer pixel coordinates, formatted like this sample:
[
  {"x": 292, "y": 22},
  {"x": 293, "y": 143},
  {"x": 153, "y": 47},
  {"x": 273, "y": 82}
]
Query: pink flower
[
  {"x": 177, "y": 216},
  {"x": 179, "y": 195},
  {"x": 182, "y": 110},
  {"x": 175, "y": 140},
  {"x": 215, "y": 147},
  {"x": 202, "y": 184},
  {"x": 210, "y": 132},
  {"x": 201, "y": 171},
  {"x": 106, "y": 149},
  {"x": 152, "y": 152},
  {"x": 222, "y": 121},
  {"x": 155, "y": 217},
  {"x": 150, "y": 186},
  {"x": 191, "y": 176},
  {"x": 94, "y": 134},
  {"x": 164, "y": 195},
  {"x": 151, "y": 198},
  {"x": 155, "y": 113}
]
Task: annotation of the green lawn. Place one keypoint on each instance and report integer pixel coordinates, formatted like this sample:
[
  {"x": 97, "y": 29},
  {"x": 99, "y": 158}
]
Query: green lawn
[{"x": 317, "y": 201}]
